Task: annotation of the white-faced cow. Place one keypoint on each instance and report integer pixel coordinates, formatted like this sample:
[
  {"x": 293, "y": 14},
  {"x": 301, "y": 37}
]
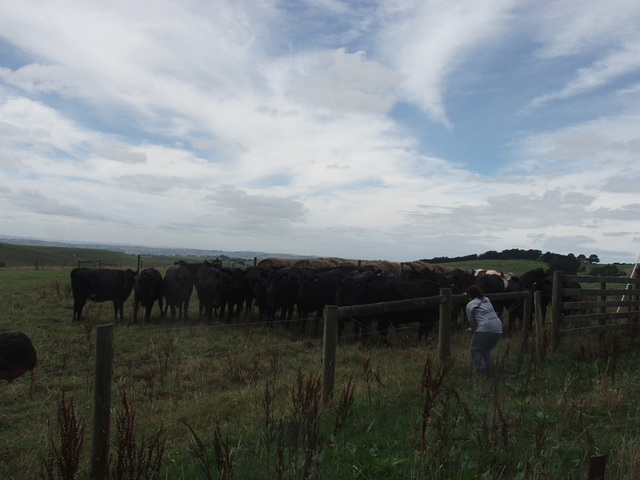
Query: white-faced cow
[{"x": 100, "y": 285}]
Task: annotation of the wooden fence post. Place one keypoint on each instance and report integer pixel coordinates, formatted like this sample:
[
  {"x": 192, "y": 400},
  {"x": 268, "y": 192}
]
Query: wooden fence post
[
  {"x": 101, "y": 402},
  {"x": 444, "y": 334},
  {"x": 596, "y": 467},
  {"x": 556, "y": 310},
  {"x": 537, "y": 312},
  {"x": 331, "y": 315},
  {"x": 526, "y": 315}
]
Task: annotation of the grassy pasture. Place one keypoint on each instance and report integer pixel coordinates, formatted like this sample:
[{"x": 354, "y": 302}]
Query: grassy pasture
[
  {"x": 249, "y": 394},
  {"x": 16, "y": 256}
]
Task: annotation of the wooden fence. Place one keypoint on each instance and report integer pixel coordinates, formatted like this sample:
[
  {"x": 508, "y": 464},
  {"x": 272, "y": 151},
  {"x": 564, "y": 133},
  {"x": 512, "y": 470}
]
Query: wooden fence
[
  {"x": 584, "y": 311},
  {"x": 445, "y": 301}
]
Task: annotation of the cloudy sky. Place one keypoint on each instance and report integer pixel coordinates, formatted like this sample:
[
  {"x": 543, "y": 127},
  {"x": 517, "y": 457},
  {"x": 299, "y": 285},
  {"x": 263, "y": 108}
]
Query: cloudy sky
[{"x": 395, "y": 130}]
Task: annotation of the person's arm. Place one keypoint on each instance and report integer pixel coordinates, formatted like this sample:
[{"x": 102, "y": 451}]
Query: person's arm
[{"x": 471, "y": 316}]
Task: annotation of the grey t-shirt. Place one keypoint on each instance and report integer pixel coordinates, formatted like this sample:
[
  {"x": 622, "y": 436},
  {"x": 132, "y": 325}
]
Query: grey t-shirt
[{"x": 480, "y": 311}]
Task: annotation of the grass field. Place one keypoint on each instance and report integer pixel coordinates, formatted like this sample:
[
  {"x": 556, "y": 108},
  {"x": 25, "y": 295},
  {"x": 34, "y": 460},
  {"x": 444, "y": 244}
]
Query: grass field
[
  {"x": 198, "y": 401},
  {"x": 28, "y": 256}
]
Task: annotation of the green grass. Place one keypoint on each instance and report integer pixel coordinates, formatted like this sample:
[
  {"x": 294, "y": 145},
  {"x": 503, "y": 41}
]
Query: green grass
[
  {"x": 542, "y": 418},
  {"x": 15, "y": 256}
]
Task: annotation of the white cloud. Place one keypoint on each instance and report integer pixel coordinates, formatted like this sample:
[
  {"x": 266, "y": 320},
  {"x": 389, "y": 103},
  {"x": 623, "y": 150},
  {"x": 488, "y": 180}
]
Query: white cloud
[
  {"x": 623, "y": 61},
  {"x": 427, "y": 41},
  {"x": 570, "y": 27},
  {"x": 347, "y": 82}
]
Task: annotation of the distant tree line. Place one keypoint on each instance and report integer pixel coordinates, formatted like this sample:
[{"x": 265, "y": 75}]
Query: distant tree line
[{"x": 569, "y": 264}]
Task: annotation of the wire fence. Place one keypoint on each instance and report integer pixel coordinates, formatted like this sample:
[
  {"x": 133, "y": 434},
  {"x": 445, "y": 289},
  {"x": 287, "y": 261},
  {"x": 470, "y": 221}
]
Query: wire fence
[
  {"x": 120, "y": 332},
  {"x": 123, "y": 330}
]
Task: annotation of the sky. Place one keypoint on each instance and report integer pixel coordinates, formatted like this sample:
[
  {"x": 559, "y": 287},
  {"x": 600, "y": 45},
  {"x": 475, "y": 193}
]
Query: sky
[{"x": 380, "y": 130}]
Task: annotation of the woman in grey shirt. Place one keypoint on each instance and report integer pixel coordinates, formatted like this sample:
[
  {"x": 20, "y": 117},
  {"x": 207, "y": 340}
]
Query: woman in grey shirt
[{"x": 488, "y": 327}]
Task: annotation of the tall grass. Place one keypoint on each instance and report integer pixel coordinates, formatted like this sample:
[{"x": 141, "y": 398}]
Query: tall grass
[{"x": 242, "y": 401}]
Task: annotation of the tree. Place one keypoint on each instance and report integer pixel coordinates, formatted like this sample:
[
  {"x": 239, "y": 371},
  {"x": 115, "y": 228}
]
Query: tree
[
  {"x": 566, "y": 264},
  {"x": 582, "y": 258},
  {"x": 593, "y": 258}
]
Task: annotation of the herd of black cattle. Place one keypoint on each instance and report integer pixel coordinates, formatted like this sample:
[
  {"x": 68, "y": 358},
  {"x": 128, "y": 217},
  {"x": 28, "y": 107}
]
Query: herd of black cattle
[{"x": 276, "y": 292}]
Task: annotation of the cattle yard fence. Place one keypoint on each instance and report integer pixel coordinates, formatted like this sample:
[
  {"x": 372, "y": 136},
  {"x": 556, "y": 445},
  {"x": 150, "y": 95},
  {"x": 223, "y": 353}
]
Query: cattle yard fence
[
  {"x": 445, "y": 301},
  {"x": 575, "y": 310}
]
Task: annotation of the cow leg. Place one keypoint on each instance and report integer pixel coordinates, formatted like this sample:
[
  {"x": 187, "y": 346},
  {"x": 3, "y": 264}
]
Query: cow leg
[
  {"x": 121, "y": 310},
  {"x": 78, "y": 305}
]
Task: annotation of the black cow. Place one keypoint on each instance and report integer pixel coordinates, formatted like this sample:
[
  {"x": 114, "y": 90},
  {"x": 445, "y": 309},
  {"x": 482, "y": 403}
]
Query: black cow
[
  {"x": 177, "y": 287},
  {"x": 389, "y": 288},
  {"x": 147, "y": 289},
  {"x": 316, "y": 291},
  {"x": 253, "y": 276},
  {"x": 229, "y": 290},
  {"x": 210, "y": 287},
  {"x": 352, "y": 291},
  {"x": 282, "y": 290},
  {"x": 458, "y": 281},
  {"x": 532, "y": 280},
  {"x": 100, "y": 285}
]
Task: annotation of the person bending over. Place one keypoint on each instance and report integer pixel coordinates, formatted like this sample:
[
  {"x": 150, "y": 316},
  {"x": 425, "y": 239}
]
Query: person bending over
[{"x": 488, "y": 329}]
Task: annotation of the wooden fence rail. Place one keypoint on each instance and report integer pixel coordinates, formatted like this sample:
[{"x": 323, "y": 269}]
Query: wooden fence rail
[{"x": 575, "y": 310}]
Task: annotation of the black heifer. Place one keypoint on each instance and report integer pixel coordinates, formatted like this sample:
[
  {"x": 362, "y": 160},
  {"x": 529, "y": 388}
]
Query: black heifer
[
  {"x": 385, "y": 289},
  {"x": 282, "y": 290},
  {"x": 532, "y": 280},
  {"x": 254, "y": 280},
  {"x": 177, "y": 287},
  {"x": 317, "y": 291},
  {"x": 367, "y": 287},
  {"x": 351, "y": 291},
  {"x": 147, "y": 290},
  {"x": 209, "y": 283},
  {"x": 236, "y": 292},
  {"x": 100, "y": 285}
]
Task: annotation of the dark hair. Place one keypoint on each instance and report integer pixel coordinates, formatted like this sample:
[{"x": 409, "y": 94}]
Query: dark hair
[
  {"x": 475, "y": 291},
  {"x": 16, "y": 350}
]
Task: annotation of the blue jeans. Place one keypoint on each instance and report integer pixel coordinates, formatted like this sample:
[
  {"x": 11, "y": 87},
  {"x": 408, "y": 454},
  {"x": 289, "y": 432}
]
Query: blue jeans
[{"x": 481, "y": 346}]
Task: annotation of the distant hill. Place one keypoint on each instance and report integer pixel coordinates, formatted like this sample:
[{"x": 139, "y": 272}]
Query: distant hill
[{"x": 20, "y": 252}]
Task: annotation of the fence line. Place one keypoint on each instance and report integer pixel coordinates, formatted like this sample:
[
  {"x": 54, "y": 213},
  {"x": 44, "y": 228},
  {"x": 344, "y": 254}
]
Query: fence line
[
  {"x": 86, "y": 369},
  {"x": 184, "y": 327},
  {"x": 445, "y": 301}
]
